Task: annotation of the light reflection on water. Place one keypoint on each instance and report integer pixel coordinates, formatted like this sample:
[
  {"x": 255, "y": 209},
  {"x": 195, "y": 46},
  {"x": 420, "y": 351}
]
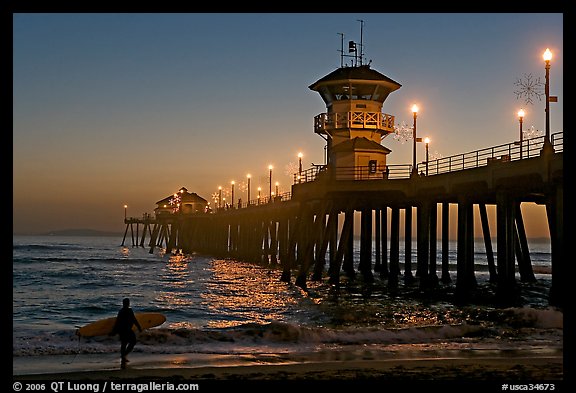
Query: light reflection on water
[
  {"x": 237, "y": 292},
  {"x": 177, "y": 282},
  {"x": 84, "y": 279}
]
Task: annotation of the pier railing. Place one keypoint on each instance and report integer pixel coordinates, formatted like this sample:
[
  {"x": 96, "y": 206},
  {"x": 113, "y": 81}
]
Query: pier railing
[
  {"x": 513, "y": 151},
  {"x": 502, "y": 153},
  {"x": 263, "y": 200},
  {"x": 359, "y": 172}
]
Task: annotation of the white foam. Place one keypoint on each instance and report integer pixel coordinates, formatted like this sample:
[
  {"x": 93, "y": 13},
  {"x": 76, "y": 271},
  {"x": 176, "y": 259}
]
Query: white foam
[{"x": 549, "y": 318}]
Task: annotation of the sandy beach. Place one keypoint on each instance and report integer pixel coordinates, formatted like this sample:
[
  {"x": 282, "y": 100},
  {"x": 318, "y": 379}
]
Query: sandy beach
[{"x": 452, "y": 368}]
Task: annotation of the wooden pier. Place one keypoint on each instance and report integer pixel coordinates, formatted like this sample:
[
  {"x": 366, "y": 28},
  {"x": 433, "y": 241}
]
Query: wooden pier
[{"x": 310, "y": 234}]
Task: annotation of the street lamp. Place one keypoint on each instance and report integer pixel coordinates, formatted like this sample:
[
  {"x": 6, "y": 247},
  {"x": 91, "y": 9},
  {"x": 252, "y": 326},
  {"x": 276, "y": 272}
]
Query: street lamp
[
  {"x": 219, "y": 197},
  {"x": 125, "y": 207},
  {"x": 300, "y": 155},
  {"x": 259, "y": 189},
  {"x": 232, "y": 201},
  {"x": 270, "y": 191},
  {"x": 415, "y": 112},
  {"x": 547, "y": 147},
  {"x": 248, "y": 176},
  {"x": 277, "y": 188},
  {"x": 426, "y": 141},
  {"x": 521, "y": 119}
]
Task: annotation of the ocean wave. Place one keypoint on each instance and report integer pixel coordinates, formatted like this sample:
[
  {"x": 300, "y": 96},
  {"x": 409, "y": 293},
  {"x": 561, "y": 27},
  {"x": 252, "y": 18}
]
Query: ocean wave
[
  {"x": 507, "y": 323},
  {"x": 47, "y": 247},
  {"x": 549, "y": 318}
]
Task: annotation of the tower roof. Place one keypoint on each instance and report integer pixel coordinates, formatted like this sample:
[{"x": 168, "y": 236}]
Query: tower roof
[
  {"x": 363, "y": 72},
  {"x": 358, "y": 144}
]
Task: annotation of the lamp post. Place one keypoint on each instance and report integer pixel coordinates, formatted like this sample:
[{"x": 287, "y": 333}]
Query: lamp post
[
  {"x": 277, "y": 184},
  {"x": 270, "y": 191},
  {"x": 521, "y": 120},
  {"x": 259, "y": 189},
  {"x": 426, "y": 141},
  {"x": 248, "y": 176},
  {"x": 232, "y": 201},
  {"x": 300, "y": 155},
  {"x": 219, "y": 197},
  {"x": 415, "y": 112},
  {"x": 547, "y": 147},
  {"x": 125, "y": 207}
]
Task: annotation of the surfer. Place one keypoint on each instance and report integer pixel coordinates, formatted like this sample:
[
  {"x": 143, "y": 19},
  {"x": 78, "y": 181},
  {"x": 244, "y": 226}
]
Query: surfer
[{"x": 123, "y": 326}]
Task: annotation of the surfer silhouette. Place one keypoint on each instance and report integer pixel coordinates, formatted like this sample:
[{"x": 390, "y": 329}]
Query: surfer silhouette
[{"x": 123, "y": 327}]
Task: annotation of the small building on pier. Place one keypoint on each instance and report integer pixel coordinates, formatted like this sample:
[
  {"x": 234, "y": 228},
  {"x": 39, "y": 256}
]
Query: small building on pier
[{"x": 183, "y": 201}]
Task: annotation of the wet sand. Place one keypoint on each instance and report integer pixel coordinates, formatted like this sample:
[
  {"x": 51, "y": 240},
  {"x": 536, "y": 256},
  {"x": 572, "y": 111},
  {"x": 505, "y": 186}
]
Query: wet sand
[{"x": 451, "y": 367}]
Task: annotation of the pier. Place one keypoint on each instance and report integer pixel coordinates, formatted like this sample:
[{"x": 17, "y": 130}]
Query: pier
[{"x": 308, "y": 233}]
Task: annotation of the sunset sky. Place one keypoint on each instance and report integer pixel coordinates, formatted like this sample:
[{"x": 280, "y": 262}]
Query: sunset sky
[{"x": 122, "y": 108}]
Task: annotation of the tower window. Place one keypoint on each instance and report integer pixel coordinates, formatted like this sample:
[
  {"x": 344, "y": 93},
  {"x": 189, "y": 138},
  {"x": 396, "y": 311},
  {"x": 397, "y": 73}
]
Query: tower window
[{"x": 372, "y": 166}]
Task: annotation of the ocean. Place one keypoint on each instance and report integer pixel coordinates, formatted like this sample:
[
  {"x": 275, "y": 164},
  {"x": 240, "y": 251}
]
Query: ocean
[{"x": 222, "y": 311}]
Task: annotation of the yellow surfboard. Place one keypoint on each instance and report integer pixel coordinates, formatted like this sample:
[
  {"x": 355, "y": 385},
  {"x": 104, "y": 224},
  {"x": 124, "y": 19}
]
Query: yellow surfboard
[{"x": 104, "y": 326}]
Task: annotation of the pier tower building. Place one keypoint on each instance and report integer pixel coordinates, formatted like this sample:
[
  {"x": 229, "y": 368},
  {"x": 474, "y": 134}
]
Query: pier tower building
[{"x": 354, "y": 125}]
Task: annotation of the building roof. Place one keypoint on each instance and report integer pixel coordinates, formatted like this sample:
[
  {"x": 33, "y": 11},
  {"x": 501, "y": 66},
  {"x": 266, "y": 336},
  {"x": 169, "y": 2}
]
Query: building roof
[
  {"x": 360, "y": 143},
  {"x": 363, "y": 72},
  {"x": 185, "y": 197}
]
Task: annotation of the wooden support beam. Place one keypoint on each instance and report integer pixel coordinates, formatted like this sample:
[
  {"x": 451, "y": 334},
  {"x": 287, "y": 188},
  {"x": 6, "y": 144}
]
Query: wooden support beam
[
  {"x": 320, "y": 249},
  {"x": 293, "y": 228},
  {"x": 408, "y": 276},
  {"x": 324, "y": 241},
  {"x": 465, "y": 279},
  {"x": 524, "y": 262},
  {"x": 154, "y": 237},
  {"x": 265, "y": 230},
  {"x": 506, "y": 287},
  {"x": 313, "y": 229},
  {"x": 125, "y": 232},
  {"x": 343, "y": 244},
  {"x": 348, "y": 264},
  {"x": 377, "y": 234},
  {"x": 432, "y": 273},
  {"x": 132, "y": 234},
  {"x": 273, "y": 229},
  {"x": 555, "y": 214},
  {"x": 446, "y": 243},
  {"x": 394, "y": 247},
  {"x": 488, "y": 242},
  {"x": 332, "y": 228},
  {"x": 365, "y": 264},
  {"x": 173, "y": 239},
  {"x": 384, "y": 241},
  {"x": 283, "y": 240},
  {"x": 422, "y": 241}
]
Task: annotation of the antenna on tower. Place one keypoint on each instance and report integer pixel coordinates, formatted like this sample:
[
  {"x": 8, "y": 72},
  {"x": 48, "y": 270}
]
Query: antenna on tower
[
  {"x": 353, "y": 48},
  {"x": 361, "y": 40},
  {"x": 341, "y": 49}
]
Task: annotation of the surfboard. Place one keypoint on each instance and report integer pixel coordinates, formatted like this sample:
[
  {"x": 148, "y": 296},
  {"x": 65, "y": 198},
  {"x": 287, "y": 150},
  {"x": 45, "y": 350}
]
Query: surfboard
[{"x": 104, "y": 326}]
